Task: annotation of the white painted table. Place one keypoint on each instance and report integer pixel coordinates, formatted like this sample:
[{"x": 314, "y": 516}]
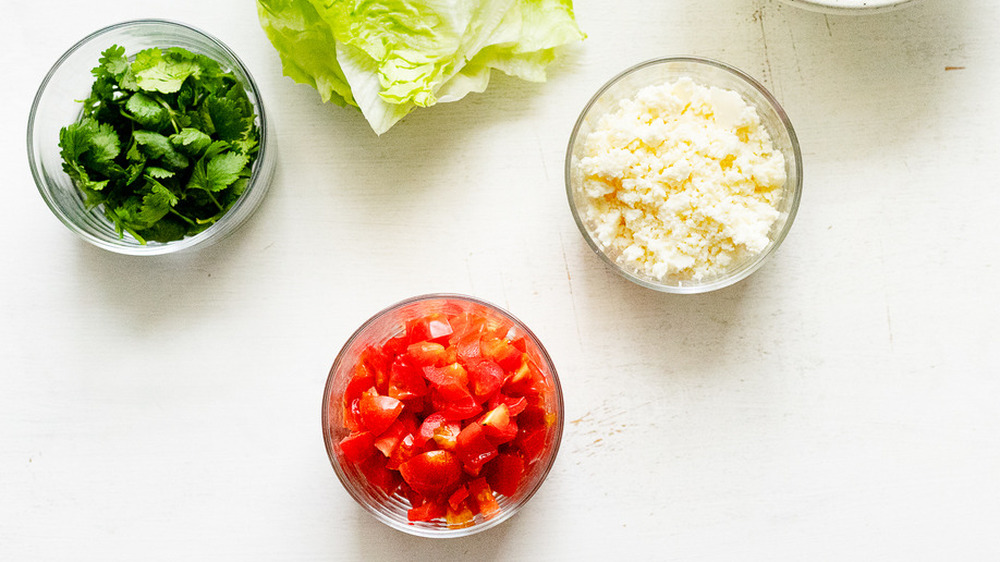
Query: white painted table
[{"x": 843, "y": 403}]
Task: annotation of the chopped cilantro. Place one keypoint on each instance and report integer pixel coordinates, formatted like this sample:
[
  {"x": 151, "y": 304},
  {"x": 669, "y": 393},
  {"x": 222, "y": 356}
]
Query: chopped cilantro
[{"x": 165, "y": 143}]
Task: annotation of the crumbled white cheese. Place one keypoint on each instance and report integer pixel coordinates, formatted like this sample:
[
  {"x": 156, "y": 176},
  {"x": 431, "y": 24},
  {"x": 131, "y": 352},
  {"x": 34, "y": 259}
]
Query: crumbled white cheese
[{"x": 681, "y": 181}]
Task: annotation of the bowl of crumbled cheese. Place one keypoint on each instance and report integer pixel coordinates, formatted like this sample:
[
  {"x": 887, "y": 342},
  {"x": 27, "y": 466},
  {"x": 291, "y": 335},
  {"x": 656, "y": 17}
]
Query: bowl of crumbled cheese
[{"x": 684, "y": 174}]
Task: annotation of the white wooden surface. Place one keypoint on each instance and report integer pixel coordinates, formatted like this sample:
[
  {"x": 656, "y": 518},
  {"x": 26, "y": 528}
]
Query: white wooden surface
[{"x": 843, "y": 403}]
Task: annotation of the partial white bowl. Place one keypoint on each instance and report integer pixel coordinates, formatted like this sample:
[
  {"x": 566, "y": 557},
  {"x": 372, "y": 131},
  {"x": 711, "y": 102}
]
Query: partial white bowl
[{"x": 856, "y": 7}]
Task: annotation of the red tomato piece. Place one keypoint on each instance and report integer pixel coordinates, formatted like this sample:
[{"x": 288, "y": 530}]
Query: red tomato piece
[
  {"x": 504, "y": 474},
  {"x": 389, "y": 439},
  {"x": 375, "y": 359},
  {"x": 395, "y": 346},
  {"x": 514, "y": 405},
  {"x": 432, "y": 327},
  {"x": 446, "y": 436},
  {"x": 531, "y": 443},
  {"x": 404, "y": 451},
  {"x": 499, "y": 426},
  {"x": 460, "y": 517},
  {"x": 485, "y": 378},
  {"x": 358, "y": 446},
  {"x": 428, "y": 511},
  {"x": 429, "y": 425},
  {"x": 405, "y": 381},
  {"x": 462, "y": 408},
  {"x": 432, "y": 474},
  {"x": 377, "y": 412},
  {"x": 501, "y": 351},
  {"x": 361, "y": 381},
  {"x": 426, "y": 353},
  {"x": 376, "y": 473},
  {"x": 482, "y": 496},
  {"x": 473, "y": 448},
  {"x": 450, "y": 375},
  {"x": 456, "y": 498}
]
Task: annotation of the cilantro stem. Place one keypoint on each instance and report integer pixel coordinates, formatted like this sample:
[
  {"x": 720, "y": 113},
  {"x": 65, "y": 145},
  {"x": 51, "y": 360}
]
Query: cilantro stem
[
  {"x": 170, "y": 112},
  {"x": 187, "y": 220},
  {"x": 212, "y": 197}
]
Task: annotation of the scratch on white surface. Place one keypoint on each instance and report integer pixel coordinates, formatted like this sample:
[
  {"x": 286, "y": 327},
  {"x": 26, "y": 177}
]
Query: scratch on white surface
[
  {"x": 758, "y": 16},
  {"x": 829, "y": 30},
  {"x": 541, "y": 156},
  {"x": 572, "y": 298}
]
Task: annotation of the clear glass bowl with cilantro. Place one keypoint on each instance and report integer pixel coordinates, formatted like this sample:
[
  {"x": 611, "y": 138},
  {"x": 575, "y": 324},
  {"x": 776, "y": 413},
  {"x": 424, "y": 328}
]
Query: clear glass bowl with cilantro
[{"x": 148, "y": 137}]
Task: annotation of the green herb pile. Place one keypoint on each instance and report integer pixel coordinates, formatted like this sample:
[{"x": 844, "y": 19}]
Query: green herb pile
[{"x": 165, "y": 142}]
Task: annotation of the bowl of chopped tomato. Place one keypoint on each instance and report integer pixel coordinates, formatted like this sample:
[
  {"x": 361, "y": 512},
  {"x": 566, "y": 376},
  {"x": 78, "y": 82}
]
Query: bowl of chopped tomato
[{"x": 442, "y": 415}]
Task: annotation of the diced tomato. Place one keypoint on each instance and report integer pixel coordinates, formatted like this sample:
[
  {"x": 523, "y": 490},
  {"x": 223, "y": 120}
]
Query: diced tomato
[
  {"x": 377, "y": 412},
  {"x": 462, "y": 408},
  {"x": 396, "y": 345},
  {"x": 375, "y": 358},
  {"x": 425, "y": 353},
  {"x": 473, "y": 448},
  {"x": 361, "y": 381},
  {"x": 514, "y": 405},
  {"x": 358, "y": 446},
  {"x": 427, "y": 427},
  {"x": 432, "y": 474},
  {"x": 405, "y": 450},
  {"x": 531, "y": 443},
  {"x": 502, "y": 352},
  {"x": 433, "y": 327},
  {"x": 451, "y": 375},
  {"x": 456, "y": 498},
  {"x": 482, "y": 496},
  {"x": 459, "y": 410},
  {"x": 485, "y": 378},
  {"x": 504, "y": 474},
  {"x": 460, "y": 517},
  {"x": 428, "y": 511},
  {"x": 376, "y": 473},
  {"x": 499, "y": 426},
  {"x": 405, "y": 381},
  {"x": 446, "y": 436},
  {"x": 389, "y": 439}
]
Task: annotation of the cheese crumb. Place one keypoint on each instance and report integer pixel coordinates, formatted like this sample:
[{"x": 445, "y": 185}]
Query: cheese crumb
[{"x": 681, "y": 181}]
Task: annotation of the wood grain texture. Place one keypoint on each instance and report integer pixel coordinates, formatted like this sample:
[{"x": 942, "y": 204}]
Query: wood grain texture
[{"x": 838, "y": 404}]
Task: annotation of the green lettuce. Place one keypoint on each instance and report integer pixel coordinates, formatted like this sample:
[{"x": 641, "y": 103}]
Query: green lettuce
[{"x": 389, "y": 57}]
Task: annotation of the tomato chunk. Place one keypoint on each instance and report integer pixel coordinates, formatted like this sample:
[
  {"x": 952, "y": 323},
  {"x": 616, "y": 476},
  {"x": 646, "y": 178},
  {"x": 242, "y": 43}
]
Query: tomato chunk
[
  {"x": 473, "y": 448},
  {"x": 358, "y": 446},
  {"x": 377, "y": 412},
  {"x": 432, "y": 473}
]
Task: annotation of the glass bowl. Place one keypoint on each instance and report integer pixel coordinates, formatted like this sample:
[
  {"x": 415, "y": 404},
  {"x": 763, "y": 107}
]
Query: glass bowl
[
  {"x": 727, "y": 270},
  {"x": 57, "y": 105},
  {"x": 850, "y": 7},
  {"x": 392, "y": 508}
]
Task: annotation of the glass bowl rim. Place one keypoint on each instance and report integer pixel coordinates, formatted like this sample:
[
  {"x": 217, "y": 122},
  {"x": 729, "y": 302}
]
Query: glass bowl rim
[
  {"x": 162, "y": 247},
  {"x": 413, "y": 529},
  {"x": 795, "y": 191}
]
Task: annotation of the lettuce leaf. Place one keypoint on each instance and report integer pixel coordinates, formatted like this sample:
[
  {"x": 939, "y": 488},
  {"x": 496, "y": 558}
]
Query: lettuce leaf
[{"x": 389, "y": 57}]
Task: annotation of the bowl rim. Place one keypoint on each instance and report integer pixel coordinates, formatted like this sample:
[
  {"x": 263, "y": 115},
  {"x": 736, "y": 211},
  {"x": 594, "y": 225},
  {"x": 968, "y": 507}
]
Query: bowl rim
[
  {"x": 828, "y": 7},
  {"x": 155, "y": 248},
  {"x": 414, "y": 529},
  {"x": 794, "y": 190}
]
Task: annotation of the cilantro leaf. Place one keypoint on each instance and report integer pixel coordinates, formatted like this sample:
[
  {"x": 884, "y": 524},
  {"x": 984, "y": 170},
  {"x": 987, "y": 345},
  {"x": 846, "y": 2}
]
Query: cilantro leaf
[
  {"x": 147, "y": 111},
  {"x": 156, "y": 204},
  {"x": 226, "y": 118},
  {"x": 219, "y": 172},
  {"x": 158, "y": 147},
  {"x": 190, "y": 141},
  {"x": 156, "y": 71}
]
